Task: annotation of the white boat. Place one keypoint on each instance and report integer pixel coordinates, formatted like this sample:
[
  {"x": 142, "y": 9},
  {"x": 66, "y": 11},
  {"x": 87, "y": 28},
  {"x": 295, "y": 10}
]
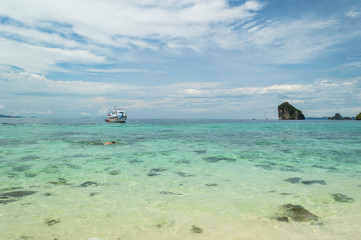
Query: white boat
[{"x": 116, "y": 116}]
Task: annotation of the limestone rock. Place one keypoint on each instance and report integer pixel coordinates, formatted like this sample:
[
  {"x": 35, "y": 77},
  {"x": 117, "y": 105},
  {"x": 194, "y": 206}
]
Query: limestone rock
[
  {"x": 288, "y": 112},
  {"x": 358, "y": 117}
]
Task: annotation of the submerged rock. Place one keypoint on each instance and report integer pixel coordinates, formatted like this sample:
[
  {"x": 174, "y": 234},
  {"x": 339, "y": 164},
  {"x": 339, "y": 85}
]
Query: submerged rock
[
  {"x": 327, "y": 168},
  {"x": 155, "y": 171},
  {"x": 196, "y": 229},
  {"x": 293, "y": 180},
  {"x": 30, "y": 174},
  {"x": 308, "y": 182},
  {"x": 152, "y": 174},
  {"x": 214, "y": 159},
  {"x": 295, "y": 212},
  {"x": 133, "y": 161},
  {"x": 89, "y": 183},
  {"x": 51, "y": 222},
  {"x": 200, "y": 151},
  {"x": 339, "y": 197},
  {"x": 289, "y": 168},
  {"x": 114, "y": 171},
  {"x": 211, "y": 184},
  {"x": 165, "y": 224},
  {"x": 29, "y": 158},
  {"x": 264, "y": 166},
  {"x": 288, "y": 112},
  {"x": 184, "y": 161},
  {"x": 21, "y": 168},
  {"x": 183, "y": 174},
  {"x": 169, "y": 193},
  {"x": 9, "y": 197},
  {"x": 282, "y": 219},
  {"x": 16, "y": 194},
  {"x": 61, "y": 181},
  {"x": 158, "y": 169}
]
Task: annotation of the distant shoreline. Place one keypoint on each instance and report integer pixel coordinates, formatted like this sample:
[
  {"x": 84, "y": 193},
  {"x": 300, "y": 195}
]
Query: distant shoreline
[{"x": 7, "y": 116}]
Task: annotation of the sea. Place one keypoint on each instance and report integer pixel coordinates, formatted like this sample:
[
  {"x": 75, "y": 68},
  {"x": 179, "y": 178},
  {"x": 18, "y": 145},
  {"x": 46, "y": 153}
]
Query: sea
[{"x": 179, "y": 179}]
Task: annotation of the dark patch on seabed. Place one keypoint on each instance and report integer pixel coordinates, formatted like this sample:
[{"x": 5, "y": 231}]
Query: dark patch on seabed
[
  {"x": 264, "y": 166},
  {"x": 29, "y": 158},
  {"x": 30, "y": 174},
  {"x": 339, "y": 197},
  {"x": 8, "y": 197},
  {"x": 61, "y": 181},
  {"x": 196, "y": 229},
  {"x": 184, "y": 161},
  {"x": 332, "y": 169},
  {"x": 271, "y": 166},
  {"x": 200, "y": 151},
  {"x": 211, "y": 184},
  {"x": 307, "y": 182},
  {"x": 155, "y": 171},
  {"x": 182, "y": 174},
  {"x": 293, "y": 180},
  {"x": 113, "y": 172},
  {"x": 134, "y": 161},
  {"x": 21, "y": 168},
  {"x": 51, "y": 222},
  {"x": 89, "y": 183},
  {"x": 289, "y": 168},
  {"x": 214, "y": 159},
  {"x": 169, "y": 193},
  {"x": 296, "y": 213}
]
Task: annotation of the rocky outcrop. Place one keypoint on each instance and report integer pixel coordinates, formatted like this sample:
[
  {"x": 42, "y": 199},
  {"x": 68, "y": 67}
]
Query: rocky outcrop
[
  {"x": 288, "y": 112},
  {"x": 358, "y": 117}
]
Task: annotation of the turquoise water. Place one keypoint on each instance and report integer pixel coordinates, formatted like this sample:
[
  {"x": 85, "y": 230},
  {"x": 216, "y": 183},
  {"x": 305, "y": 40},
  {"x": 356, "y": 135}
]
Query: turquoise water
[{"x": 179, "y": 179}]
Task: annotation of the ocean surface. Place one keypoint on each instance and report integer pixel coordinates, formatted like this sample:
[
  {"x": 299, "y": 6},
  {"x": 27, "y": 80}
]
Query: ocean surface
[{"x": 179, "y": 179}]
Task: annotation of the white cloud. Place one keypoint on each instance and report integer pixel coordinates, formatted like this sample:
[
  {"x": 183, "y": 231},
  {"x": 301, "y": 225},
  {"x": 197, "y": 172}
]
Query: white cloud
[
  {"x": 41, "y": 59},
  {"x": 117, "y": 70},
  {"x": 34, "y": 91},
  {"x": 353, "y": 13},
  {"x": 87, "y": 31},
  {"x": 46, "y": 33},
  {"x": 25, "y": 83},
  {"x": 287, "y": 88}
]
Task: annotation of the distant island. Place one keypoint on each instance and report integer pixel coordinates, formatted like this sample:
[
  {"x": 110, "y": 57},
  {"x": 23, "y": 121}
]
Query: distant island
[
  {"x": 339, "y": 117},
  {"x": 288, "y": 112},
  {"x": 6, "y": 116}
]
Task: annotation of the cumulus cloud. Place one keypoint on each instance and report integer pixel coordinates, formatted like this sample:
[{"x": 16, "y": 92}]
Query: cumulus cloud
[
  {"x": 45, "y": 33},
  {"x": 33, "y": 84},
  {"x": 187, "y": 97},
  {"x": 117, "y": 70}
]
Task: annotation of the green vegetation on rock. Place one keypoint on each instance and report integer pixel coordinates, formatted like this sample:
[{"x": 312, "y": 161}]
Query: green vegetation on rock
[
  {"x": 288, "y": 112},
  {"x": 358, "y": 117}
]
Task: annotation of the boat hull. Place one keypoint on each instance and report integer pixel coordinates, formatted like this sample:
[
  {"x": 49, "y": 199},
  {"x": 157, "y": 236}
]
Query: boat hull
[{"x": 116, "y": 120}]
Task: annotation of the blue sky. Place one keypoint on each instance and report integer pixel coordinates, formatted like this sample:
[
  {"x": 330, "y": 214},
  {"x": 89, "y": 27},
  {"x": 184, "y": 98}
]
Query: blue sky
[{"x": 180, "y": 59}]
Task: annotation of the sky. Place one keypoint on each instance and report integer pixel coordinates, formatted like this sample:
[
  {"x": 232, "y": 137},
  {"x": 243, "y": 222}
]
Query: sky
[{"x": 212, "y": 59}]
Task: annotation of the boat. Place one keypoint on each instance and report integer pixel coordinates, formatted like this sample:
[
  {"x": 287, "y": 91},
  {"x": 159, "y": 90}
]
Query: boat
[{"x": 116, "y": 116}]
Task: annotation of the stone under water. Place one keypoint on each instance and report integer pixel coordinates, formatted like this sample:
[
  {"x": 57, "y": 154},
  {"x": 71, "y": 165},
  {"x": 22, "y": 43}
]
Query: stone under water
[
  {"x": 295, "y": 212},
  {"x": 339, "y": 197}
]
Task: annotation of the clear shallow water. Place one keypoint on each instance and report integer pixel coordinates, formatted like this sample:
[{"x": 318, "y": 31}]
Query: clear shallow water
[{"x": 178, "y": 179}]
